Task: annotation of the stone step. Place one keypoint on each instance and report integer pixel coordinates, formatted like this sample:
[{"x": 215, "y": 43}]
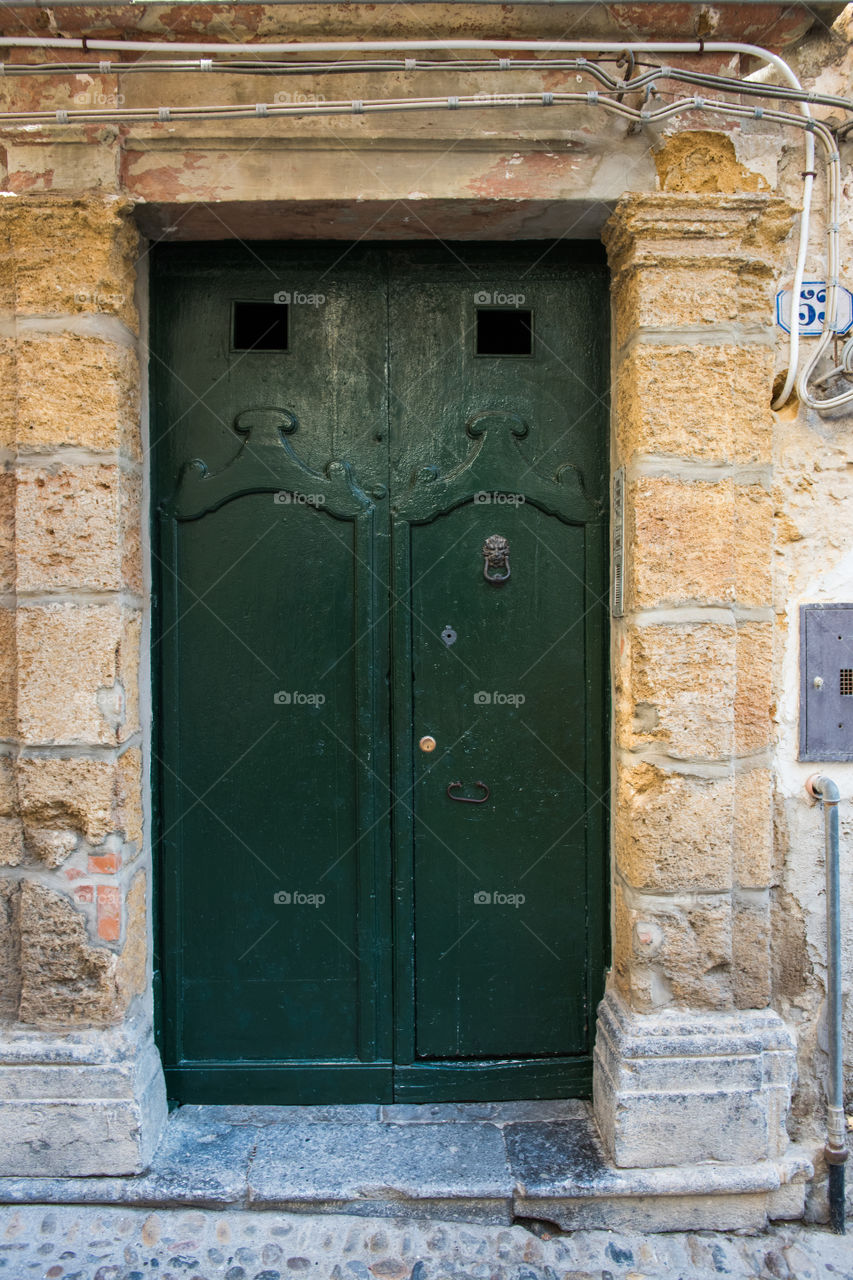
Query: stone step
[{"x": 488, "y": 1163}]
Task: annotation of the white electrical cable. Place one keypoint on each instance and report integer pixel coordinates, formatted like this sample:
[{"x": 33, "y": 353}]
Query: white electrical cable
[
  {"x": 833, "y": 175},
  {"x": 540, "y": 46},
  {"x": 39, "y": 42},
  {"x": 774, "y": 64},
  {"x": 339, "y": 47}
]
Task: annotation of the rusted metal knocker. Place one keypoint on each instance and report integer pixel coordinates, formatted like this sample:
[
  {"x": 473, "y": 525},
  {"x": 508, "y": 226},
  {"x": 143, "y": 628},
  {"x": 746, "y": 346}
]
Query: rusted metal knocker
[
  {"x": 496, "y": 558},
  {"x": 451, "y": 786}
]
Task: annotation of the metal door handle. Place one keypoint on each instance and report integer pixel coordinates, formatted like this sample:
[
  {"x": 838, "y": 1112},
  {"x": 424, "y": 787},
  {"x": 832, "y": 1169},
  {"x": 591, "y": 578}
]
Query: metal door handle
[{"x": 468, "y": 799}]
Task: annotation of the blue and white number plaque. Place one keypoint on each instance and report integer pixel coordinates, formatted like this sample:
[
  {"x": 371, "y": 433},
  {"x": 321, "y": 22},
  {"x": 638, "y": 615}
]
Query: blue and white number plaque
[{"x": 812, "y": 314}]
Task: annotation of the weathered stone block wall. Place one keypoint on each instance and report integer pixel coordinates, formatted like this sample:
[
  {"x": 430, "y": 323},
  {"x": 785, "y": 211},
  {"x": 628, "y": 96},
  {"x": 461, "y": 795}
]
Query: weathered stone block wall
[
  {"x": 692, "y": 658},
  {"x": 74, "y": 932}
]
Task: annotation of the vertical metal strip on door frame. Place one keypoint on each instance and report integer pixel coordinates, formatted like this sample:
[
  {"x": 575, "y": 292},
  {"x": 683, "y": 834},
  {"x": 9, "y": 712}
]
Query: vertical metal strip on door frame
[
  {"x": 603, "y": 580},
  {"x": 596, "y": 640},
  {"x": 167, "y": 784},
  {"x": 403, "y": 789},
  {"x": 372, "y": 847}
]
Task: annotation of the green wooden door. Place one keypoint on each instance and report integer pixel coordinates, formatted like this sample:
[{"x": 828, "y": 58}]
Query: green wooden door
[{"x": 379, "y": 755}]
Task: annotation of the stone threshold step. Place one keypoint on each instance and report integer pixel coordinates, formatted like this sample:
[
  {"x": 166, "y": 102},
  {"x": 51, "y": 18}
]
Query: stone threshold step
[{"x": 494, "y": 1163}]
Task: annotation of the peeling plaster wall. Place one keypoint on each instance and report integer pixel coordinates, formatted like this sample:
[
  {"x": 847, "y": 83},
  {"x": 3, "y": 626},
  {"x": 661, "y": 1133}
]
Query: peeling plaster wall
[{"x": 813, "y": 500}]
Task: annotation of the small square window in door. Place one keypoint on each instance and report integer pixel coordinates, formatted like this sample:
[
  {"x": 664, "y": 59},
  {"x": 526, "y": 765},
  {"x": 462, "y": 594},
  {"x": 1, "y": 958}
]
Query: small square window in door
[
  {"x": 504, "y": 331},
  {"x": 260, "y": 326}
]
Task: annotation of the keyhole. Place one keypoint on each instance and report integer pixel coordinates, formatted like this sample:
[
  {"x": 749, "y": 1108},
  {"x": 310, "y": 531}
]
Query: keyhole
[{"x": 448, "y": 635}]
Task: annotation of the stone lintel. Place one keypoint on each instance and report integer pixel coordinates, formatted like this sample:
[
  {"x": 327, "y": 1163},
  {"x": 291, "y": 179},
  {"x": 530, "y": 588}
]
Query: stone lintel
[{"x": 681, "y": 1088}]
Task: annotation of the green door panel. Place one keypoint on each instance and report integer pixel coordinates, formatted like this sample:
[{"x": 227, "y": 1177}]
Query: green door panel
[
  {"x": 240, "y": 971},
  {"x": 271, "y": 692},
  {"x": 505, "y": 895},
  {"x": 504, "y": 876},
  {"x": 334, "y": 924}
]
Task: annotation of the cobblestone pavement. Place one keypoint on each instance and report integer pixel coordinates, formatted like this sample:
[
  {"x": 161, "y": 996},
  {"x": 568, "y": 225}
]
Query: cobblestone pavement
[{"x": 80, "y": 1243}]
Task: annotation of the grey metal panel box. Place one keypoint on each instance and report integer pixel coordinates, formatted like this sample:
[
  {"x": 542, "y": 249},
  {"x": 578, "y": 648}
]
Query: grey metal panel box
[{"x": 826, "y": 682}]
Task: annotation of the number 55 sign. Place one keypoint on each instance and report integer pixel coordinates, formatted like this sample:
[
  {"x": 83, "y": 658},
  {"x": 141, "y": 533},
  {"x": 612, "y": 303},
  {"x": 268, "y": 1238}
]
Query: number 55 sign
[{"x": 812, "y": 312}]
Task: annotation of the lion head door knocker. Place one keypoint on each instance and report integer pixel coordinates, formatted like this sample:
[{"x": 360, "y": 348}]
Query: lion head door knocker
[{"x": 496, "y": 559}]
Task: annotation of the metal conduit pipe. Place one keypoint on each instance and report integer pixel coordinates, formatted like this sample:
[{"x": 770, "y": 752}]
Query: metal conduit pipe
[
  {"x": 835, "y": 1151},
  {"x": 594, "y": 68}
]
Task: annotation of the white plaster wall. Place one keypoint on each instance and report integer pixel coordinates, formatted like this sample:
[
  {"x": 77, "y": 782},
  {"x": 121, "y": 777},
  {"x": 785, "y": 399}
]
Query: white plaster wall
[
  {"x": 813, "y": 483},
  {"x": 814, "y": 564}
]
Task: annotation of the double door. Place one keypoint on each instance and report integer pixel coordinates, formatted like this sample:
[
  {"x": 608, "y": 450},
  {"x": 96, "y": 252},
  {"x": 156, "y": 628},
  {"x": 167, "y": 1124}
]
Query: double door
[{"x": 379, "y": 650}]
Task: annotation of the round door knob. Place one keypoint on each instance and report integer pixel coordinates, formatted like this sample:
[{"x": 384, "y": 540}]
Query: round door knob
[{"x": 427, "y": 743}]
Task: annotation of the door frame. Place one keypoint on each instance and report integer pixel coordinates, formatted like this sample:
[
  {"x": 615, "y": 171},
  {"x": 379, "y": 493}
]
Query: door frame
[{"x": 577, "y": 1073}]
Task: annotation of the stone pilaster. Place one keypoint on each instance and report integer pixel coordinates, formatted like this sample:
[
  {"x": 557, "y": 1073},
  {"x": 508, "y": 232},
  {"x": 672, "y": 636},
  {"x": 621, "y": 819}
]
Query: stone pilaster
[
  {"x": 75, "y": 867},
  {"x": 693, "y": 283}
]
